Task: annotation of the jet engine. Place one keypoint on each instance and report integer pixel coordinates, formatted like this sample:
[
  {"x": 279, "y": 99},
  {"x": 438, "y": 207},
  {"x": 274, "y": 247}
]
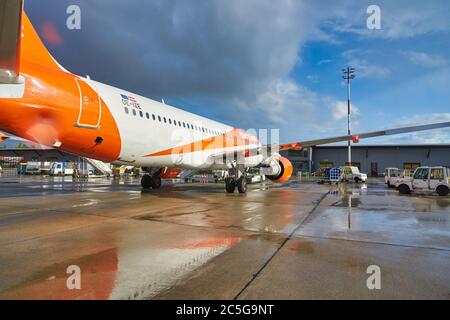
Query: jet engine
[{"x": 278, "y": 169}]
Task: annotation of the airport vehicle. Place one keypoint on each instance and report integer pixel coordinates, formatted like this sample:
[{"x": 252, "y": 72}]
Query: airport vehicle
[
  {"x": 34, "y": 168},
  {"x": 43, "y": 102},
  {"x": 392, "y": 177},
  {"x": 61, "y": 169},
  {"x": 332, "y": 175},
  {"x": 352, "y": 174},
  {"x": 254, "y": 176},
  {"x": 427, "y": 179}
]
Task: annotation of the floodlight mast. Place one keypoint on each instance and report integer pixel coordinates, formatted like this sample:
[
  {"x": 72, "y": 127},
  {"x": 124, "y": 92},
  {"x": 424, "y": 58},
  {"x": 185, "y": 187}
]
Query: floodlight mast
[{"x": 349, "y": 74}]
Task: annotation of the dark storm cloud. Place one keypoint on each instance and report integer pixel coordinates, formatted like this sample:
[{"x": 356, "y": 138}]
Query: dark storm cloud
[{"x": 178, "y": 48}]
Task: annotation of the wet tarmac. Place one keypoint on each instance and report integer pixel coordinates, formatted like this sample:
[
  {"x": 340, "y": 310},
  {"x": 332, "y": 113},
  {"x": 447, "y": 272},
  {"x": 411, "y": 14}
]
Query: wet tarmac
[{"x": 193, "y": 241}]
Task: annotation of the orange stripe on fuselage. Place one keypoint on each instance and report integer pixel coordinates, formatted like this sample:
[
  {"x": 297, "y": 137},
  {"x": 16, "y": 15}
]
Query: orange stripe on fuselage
[{"x": 234, "y": 138}]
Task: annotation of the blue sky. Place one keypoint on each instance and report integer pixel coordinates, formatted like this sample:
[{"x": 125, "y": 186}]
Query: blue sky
[{"x": 268, "y": 64}]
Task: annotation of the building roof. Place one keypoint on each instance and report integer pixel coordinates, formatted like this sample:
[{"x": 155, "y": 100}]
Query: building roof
[{"x": 390, "y": 146}]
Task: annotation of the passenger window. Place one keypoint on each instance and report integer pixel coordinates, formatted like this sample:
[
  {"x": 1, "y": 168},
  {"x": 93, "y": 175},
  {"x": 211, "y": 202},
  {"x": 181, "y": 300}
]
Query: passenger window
[
  {"x": 134, "y": 112},
  {"x": 421, "y": 174},
  {"x": 153, "y": 116},
  {"x": 437, "y": 174},
  {"x": 126, "y": 110},
  {"x": 170, "y": 121},
  {"x": 165, "y": 120},
  {"x": 175, "y": 122},
  {"x": 141, "y": 114},
  {"x": 184, "y": 125},
  {"x": 159, "y": 118},
  {"x": 147, "y": 115}
]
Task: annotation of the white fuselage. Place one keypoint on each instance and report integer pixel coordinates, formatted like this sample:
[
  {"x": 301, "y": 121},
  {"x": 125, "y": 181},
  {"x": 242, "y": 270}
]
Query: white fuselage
[{"x": 148, "y": 128}]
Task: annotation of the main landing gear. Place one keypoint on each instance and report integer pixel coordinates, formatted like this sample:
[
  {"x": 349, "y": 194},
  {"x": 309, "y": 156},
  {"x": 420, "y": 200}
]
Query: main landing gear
[
  {"x": 237, "y": 180},
  {"x": 152, "y": 181}
]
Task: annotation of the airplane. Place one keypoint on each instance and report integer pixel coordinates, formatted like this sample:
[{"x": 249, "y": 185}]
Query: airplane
[{"x": 42, "y": 102}]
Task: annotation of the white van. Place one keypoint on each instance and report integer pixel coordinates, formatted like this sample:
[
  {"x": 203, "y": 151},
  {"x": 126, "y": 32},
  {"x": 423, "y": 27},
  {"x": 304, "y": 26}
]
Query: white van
[
  {"x": 427, "y": 179},
  {"x": 61, "y": 169}
]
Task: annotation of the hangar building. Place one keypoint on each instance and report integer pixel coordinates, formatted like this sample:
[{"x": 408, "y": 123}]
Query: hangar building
[{"x": 371, "y": 159}]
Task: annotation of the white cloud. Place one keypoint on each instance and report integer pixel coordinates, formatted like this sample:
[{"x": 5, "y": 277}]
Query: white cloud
[
  {"x": 324, "y": 61},
  {"x": 437, "y": 136},
  {"x": 365, "y": 69},
  {"x": 313, "y": 78},
  {"x": 425, "y": 60},
  {"x": 399, "y": 19},
  {"x": 339, "y": 111},
  {"x": 298, "y": 112}
]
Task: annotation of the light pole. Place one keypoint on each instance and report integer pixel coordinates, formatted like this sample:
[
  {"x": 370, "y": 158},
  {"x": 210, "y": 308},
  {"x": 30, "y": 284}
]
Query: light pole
[{"x": 349, "y": 74}]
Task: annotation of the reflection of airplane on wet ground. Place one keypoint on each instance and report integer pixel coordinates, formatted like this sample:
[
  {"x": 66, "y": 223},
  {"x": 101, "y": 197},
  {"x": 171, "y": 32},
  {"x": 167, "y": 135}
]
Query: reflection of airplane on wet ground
[{"x": 42, "y": 102}]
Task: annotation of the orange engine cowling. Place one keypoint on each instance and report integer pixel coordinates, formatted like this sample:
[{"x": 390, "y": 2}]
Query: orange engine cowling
[
  {"x": 3, "y": 137},
  {"x": 285, "y": 171}
]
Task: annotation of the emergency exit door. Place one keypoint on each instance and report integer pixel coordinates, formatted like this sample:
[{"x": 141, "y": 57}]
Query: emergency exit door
[{"x": 90, "y": 113}]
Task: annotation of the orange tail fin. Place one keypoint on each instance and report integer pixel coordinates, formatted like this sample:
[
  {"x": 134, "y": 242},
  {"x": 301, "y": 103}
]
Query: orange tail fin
[
  {"x": 19, "y": 42},
  {"x": 32, "y": 48}
]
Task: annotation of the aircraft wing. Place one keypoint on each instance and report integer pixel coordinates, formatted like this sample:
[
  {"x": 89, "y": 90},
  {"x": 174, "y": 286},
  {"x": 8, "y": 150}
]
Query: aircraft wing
[
  {"x": 356, "y": 137},
  {"x": 227, "y": 157}
]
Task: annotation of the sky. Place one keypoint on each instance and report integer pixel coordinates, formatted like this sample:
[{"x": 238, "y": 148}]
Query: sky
[{"x": 267, "y": 64}]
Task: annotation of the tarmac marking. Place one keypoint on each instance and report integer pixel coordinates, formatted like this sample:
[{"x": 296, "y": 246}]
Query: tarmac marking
[{"x": 289, "y": 237}]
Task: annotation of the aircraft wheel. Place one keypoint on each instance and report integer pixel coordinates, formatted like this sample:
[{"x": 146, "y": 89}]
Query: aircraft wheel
[
  {"x": 242, "y": 185},
  {"x": 442, "y": 191},
  {"x": 230, "y": 185},
  {"x": 146, "y": 181},
  {"x": 156, "y": 182}
]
